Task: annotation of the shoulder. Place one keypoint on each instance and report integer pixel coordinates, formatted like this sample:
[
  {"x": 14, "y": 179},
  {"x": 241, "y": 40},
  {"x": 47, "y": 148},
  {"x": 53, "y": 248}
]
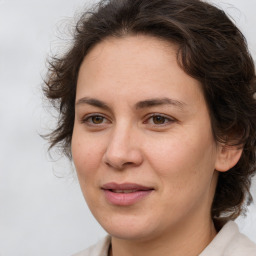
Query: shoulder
[
  {"x": 230, "y": 242},
  {"x": 99, "y": 249}
]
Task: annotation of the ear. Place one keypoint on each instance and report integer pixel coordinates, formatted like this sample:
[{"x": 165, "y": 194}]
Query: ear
[{"x": 227, "y": 157}]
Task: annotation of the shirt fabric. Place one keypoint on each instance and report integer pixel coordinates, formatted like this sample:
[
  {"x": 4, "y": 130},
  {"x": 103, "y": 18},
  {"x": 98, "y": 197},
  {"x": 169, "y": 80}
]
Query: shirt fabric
[{"x": 228, "y": 242}]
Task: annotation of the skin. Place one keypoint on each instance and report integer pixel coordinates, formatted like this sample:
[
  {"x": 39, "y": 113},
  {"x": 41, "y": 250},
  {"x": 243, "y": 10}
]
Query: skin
[{"x": 119, "y": 141}]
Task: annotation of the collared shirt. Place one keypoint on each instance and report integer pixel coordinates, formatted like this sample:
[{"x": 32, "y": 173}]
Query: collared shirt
[{"x": 228, "y": 242}]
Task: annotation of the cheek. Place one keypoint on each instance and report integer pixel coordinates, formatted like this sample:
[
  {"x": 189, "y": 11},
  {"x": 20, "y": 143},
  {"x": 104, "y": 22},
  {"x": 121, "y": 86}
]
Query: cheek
[
  {"x": 184, "y": 159},
  {"x": 86, "y": 155},
  {"x": 185, "y": 169}
]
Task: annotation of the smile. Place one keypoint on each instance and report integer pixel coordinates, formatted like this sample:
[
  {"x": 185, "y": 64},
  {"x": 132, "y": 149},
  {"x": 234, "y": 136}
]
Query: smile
[
  {"x": 123, "y": 191},
  {"x": 125, "y": 194}
]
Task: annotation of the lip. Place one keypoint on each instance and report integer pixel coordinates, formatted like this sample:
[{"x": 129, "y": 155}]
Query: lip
[{"x": 125, "y": 194}]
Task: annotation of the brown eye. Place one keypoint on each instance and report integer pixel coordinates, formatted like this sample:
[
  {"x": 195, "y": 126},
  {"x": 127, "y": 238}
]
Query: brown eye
[
  {"x": 96, "y": 122},
  {"x": 97, "y": 119},
  {"x": 159, "y": 119}
]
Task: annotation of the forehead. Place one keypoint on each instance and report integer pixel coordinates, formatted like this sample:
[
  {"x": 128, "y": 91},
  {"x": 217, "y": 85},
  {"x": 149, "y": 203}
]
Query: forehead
[
  {"x": 141, "y": 64},
  {"x": 134, "y": 43},
  {"x": 132, "y": 51}
]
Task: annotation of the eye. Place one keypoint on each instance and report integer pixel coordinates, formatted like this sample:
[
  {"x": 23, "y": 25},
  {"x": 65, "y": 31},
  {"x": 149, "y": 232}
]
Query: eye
[
  {"x": 159, "y": 120},
  {"x": 94, "y": 120}
]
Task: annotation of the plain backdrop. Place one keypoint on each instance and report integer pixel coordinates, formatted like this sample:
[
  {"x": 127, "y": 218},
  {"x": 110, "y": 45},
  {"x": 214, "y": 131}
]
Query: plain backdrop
[{"x": 42, "y": 209}]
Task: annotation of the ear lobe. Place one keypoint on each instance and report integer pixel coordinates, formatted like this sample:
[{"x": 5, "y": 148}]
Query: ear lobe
[{"x": 227, "y": 157}]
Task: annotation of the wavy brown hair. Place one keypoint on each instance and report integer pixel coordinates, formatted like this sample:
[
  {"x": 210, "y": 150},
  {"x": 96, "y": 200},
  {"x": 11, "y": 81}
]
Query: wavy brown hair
[{"x": 211, "y": 49}]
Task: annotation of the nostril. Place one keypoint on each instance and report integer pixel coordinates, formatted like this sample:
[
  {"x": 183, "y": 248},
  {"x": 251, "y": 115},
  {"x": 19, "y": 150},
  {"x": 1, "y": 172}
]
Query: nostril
[
  {"x": 118, "y": 164},
  {"x": 119, "y": 158},
  {"x": 128, "y": 163}
]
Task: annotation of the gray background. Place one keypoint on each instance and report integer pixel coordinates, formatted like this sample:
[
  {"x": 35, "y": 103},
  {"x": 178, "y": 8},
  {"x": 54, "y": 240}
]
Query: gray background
[{"x": 42, "y": 209}]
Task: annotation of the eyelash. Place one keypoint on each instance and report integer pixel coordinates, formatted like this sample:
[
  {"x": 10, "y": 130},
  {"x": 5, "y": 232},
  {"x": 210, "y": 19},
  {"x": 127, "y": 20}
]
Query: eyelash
[
  {"x": 88, "y": 119},
  {"x": 166, "y": 120}
]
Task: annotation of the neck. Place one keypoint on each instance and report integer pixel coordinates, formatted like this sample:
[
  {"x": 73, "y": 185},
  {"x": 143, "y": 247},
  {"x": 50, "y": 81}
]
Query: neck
[{"x": 187, "y": 239}]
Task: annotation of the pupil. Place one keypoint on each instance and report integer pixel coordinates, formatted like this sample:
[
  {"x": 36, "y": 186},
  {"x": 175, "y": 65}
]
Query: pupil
[
  {"x": 158, "y": 119},
  {"x": 97, "y": 119}
]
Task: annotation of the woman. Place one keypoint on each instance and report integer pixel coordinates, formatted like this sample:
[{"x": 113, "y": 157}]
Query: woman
[{"x": 157, "y": 112}]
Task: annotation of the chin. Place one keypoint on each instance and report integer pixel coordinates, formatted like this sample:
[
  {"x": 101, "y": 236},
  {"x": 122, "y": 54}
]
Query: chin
[{"x": 129, "y": 227}]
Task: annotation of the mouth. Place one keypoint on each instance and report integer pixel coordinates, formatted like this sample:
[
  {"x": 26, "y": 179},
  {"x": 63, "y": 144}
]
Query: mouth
[
  {"x": 125, "y": 194},
  {"x": 123, "y": 191}
]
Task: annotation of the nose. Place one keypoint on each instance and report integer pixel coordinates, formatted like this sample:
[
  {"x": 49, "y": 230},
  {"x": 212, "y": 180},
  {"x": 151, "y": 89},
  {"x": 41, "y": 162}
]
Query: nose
[{"x": 123, "y": 149}]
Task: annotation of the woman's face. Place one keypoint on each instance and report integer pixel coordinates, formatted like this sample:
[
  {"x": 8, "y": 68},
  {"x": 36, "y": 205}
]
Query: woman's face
[{"x": 142, "y": 142}]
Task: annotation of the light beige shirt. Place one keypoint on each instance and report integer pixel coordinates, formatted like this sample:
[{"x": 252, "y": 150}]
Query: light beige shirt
[{"x": 228, "y": 242}]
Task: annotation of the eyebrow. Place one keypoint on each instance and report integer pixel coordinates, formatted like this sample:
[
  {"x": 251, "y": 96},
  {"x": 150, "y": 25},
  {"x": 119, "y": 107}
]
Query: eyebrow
[
  {"x": 93, "y": 102},
  {"x": 159, "y": 101},
  {"x": 139, "y": 105}
]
